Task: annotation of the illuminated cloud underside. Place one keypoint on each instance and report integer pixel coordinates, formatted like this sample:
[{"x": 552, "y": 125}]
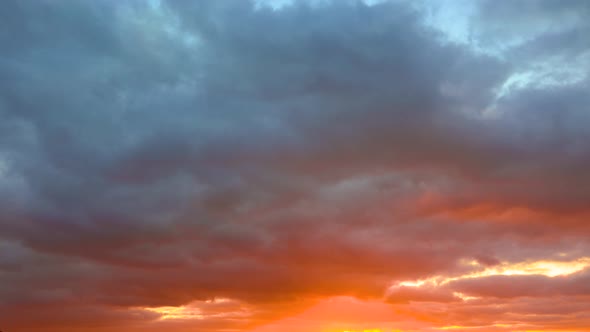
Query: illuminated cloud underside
[{"x": 544, "y": 267}]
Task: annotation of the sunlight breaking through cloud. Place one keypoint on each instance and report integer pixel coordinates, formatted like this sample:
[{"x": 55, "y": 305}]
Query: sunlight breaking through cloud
[{"x": 547, "y": 268}]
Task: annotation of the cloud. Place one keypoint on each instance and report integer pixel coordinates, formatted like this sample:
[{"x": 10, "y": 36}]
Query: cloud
[
  {"x": 518, "y": 286},
  {"x": 160, "y": 154}
]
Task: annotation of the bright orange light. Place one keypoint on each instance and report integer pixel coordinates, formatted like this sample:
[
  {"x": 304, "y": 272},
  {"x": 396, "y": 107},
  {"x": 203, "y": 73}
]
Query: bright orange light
[
  {"x": 190, "y": 311},
  {"x": 180, "y": 312}
]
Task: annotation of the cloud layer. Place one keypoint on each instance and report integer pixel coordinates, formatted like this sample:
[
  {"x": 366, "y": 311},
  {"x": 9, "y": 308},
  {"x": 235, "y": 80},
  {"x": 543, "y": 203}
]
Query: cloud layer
[{"x": 219, "y": 165}]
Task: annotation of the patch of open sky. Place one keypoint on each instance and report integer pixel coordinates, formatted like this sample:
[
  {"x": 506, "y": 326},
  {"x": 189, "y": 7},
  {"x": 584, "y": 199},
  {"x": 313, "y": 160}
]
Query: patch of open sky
[
  {"x": 458, "y": 23},
  {"x": 544, "y": 74},
  {"x": 452, "y": 18},
  {"x": 455, "y": 20}
]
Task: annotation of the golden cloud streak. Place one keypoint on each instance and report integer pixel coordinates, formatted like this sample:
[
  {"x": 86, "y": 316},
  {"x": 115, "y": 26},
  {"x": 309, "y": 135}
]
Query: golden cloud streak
[
  {"x": 549, "y": 268},
  {"x": 181, "y": 312},
  {"x": 190, "y": 311}
]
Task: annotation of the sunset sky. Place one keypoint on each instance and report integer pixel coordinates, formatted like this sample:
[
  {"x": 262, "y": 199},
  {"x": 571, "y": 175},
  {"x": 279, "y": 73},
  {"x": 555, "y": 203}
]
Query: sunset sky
[{"x": 294, "y": 165}]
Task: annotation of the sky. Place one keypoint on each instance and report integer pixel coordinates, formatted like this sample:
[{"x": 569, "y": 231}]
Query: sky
[{"x": 294, "y": 166}]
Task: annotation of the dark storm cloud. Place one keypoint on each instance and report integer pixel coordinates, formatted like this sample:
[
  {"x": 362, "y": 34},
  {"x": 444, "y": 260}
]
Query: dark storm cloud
[{"x": 210, "y": 148}]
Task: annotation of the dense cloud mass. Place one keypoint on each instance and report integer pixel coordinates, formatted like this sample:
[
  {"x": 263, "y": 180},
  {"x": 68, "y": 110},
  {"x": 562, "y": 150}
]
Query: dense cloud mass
[{"x": 224, "y": 165}]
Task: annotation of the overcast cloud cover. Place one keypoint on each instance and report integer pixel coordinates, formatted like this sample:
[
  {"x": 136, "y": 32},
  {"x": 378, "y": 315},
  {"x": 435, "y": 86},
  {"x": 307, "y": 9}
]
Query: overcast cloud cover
[{"x": 246, "y": 161}]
